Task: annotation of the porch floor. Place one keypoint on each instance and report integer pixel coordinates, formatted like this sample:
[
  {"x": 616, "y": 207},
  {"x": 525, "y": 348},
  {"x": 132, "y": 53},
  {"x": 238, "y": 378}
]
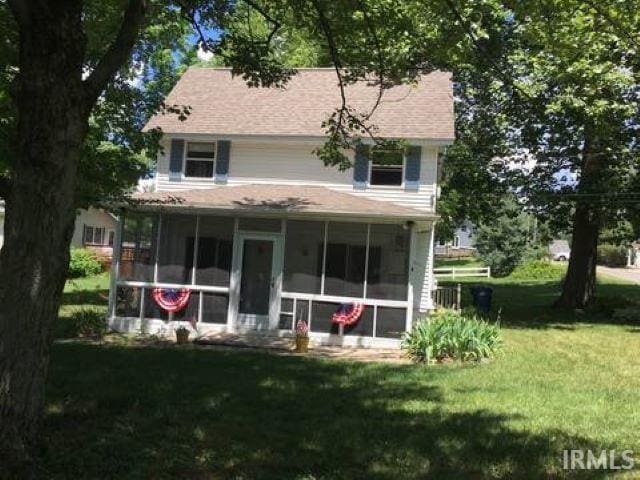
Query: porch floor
[{"x": 284, "y": 346}]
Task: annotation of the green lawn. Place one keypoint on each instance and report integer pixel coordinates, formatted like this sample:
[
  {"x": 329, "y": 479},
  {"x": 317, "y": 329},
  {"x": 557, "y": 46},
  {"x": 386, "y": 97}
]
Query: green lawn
[
  {"x": 458, "y": 262},
  {"x": 562, "y": 382}
]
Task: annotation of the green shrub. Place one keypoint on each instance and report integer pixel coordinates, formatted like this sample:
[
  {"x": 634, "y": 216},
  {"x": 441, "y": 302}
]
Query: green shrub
[
  {"x": 538, "y": 270},
  {"x": 449, "y": 334},
  {"x": 83, "y": 263},
  {"x": 612, "y": 255},
  {"x": 88, "y": 322}
]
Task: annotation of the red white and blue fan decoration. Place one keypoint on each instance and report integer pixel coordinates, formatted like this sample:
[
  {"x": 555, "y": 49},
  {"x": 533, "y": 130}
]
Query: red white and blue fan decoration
[
  {"x": 171, "y": 300},
  {"x": 348, "y": 313}
]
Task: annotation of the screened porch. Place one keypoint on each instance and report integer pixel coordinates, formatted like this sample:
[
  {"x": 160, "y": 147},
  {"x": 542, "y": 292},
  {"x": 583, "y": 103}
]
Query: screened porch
[{"x": 263, "y": 274}]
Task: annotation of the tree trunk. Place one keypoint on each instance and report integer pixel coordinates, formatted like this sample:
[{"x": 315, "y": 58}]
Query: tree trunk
[
  {"x": 579, "y": 286},
  {"x": 40, "y": 215}
]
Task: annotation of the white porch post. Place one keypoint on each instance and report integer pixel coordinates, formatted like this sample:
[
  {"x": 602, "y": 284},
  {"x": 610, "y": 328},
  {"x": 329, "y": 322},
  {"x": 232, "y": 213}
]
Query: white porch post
[
  {"x": 410, "y": 274},
  {"x": 426, "y": 299},
  {"x": 234, "y": 279},
  {"x": 115, "y": 267}
]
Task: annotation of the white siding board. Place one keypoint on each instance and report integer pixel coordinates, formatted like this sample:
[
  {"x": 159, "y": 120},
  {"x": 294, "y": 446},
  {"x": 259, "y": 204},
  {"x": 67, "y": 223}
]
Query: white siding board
[{"x": 291, "y": 163}]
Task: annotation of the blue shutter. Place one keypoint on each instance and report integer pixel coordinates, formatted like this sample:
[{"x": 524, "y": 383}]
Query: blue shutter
[
  {"x": 412, "y": 167},
  {"x": 222, "y": 161},
  {"x": 361, "y": 167},
  {"x": 176, "y": 159}
]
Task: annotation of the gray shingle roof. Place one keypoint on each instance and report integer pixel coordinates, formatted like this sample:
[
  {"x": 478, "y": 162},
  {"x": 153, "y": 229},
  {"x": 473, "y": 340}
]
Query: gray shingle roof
[
  {"x": 223, "y": 105},
  {"x": 280, "y": 199}
]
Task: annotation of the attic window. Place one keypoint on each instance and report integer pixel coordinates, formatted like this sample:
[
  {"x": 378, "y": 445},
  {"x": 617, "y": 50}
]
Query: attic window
[
  {"x": 199, "y": 160},
  {"x": 386, "y": 167}
]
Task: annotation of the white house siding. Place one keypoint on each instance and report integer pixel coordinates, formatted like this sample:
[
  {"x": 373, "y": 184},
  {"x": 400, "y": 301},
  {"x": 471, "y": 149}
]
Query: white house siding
[
  {"x": 93, "y": 217},
  {"x": 420, "y": 276},
  {"x": 293, "y": 162},
  {"x": 1, "y": 228}
]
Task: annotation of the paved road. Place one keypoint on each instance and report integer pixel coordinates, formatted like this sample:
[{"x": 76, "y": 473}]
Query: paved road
[{"x": 629, "y": 274}]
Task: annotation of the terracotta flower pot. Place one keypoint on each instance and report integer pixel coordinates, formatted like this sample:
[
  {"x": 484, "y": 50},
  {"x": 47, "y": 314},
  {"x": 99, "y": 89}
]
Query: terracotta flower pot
[
  {"x": 182, "y": 337},
  {"x": 302, "y": 344}
]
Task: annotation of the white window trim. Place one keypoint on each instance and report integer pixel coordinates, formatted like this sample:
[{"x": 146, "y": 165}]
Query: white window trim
[
  {"x": 185, "y": 158},
  {"x": 401, "y": 186}
]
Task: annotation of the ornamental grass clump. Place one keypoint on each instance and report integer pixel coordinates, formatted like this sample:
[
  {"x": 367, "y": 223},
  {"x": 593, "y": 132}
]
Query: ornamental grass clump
[{"x": 452, "y": 335}]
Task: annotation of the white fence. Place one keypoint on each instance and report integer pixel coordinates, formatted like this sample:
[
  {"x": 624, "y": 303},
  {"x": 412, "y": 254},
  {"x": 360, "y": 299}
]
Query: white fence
[
  {"x": 459, "y": 272},
  {"x": 448, "y": 297}
]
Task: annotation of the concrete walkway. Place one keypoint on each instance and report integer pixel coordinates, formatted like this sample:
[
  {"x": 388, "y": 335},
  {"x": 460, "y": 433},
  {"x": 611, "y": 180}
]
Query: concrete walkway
[
  {"x": 628, "y": 274},
  {"x": 284, "y": 346}
]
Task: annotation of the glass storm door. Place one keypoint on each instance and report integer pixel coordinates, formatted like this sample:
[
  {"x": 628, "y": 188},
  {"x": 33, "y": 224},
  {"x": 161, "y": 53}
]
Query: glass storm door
[{"x": 257, "y": 283}]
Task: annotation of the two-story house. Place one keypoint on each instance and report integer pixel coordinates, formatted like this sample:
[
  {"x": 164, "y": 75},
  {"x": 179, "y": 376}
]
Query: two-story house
[{"x": 248, "y": 219}]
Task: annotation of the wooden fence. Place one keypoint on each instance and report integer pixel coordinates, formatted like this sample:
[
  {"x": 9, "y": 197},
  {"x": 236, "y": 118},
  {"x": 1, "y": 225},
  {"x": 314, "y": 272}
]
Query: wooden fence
[
  {"x": 459, "y": 272},
  {"x": 448, "y": 297}
]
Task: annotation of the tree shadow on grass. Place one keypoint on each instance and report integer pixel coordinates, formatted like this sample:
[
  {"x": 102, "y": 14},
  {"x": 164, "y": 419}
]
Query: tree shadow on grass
[
  {"x": 117, "y": 412},
  {"x": 86, "y": 298}
]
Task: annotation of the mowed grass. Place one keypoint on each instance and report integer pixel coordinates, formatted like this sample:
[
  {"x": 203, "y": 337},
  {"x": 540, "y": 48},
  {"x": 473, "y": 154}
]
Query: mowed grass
[
  {"x": 90, "y": 292},
  {"x": 562, "y": 382},
  {"x": 441, "y": 262}
]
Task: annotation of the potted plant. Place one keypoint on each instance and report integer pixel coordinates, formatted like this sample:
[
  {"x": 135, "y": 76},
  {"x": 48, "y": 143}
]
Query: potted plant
[
  {"x": 182, "y": 335},
  {"x": 302, "y": 337}
]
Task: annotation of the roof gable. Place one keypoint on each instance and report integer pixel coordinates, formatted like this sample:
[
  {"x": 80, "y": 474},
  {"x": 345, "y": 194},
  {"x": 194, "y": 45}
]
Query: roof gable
[{"x": 225, "y": 105}]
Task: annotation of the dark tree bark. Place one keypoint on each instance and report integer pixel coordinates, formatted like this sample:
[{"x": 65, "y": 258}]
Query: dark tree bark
[
  {"x": 53, "y": 104},
  {"x": 579, "y": 286}
]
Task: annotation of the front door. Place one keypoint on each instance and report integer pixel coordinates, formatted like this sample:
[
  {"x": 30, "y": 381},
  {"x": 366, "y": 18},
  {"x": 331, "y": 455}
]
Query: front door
[{"x": 260, "y": 267}]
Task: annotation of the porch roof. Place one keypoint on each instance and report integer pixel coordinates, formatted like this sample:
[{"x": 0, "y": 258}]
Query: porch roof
[{"x": 288, "y": 200}]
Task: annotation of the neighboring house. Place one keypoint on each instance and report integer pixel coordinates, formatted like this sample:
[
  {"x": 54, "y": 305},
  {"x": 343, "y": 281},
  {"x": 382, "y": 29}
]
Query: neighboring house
[
  {"x": 462, "y": 245},
  {"x": 262, "y": 234},
  {"x": 95, "y": 229}
]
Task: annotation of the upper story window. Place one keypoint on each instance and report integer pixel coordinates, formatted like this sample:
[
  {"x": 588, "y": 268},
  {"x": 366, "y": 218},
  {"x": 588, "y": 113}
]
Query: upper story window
[
  {"x": 387, "y": 167},
  {"x": 199, "y": 159}
]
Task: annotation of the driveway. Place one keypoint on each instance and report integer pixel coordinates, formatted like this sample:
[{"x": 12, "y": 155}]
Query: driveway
[{"x": 628, "y": 274}]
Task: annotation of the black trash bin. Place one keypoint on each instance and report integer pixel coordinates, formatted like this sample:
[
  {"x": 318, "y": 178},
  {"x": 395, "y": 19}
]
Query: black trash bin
[{"x": 482, "y": 298}]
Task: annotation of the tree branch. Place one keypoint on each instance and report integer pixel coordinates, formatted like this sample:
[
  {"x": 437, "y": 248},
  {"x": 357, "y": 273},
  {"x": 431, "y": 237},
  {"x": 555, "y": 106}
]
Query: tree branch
[
  {"x": 504, "y": 77},
  {"x": 119, "y": 51}
]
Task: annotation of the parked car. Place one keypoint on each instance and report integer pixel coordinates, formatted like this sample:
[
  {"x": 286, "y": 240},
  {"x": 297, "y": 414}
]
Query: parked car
[{"x": 562, "y": 256}]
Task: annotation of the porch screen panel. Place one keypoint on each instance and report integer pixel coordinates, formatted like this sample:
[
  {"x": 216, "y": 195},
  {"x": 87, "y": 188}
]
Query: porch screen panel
[
  {"x": 346, "y": 258},
  {"x": 128, "y": 301},
  {"x": 286, "y": 314},
  {"x": 387, "y": 274},
  {"x": 215, "y": 250},
  {"x": 175, "y": 262},
  {"x": 390, "y": 322},
  {"x": 303, "y": 257},
  {"x": 214, "y": 307},
  {"x": 321, "y": 313},
  {"x": 364, "y": 326},
  {"x": 138, "y": 247}
]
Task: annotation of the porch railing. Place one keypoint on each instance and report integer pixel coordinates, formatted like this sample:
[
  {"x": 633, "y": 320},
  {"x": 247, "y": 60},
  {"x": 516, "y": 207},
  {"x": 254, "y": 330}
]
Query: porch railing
[
  {"x": 459, "y": 272},
  {"x": 448, "y": 297}
]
